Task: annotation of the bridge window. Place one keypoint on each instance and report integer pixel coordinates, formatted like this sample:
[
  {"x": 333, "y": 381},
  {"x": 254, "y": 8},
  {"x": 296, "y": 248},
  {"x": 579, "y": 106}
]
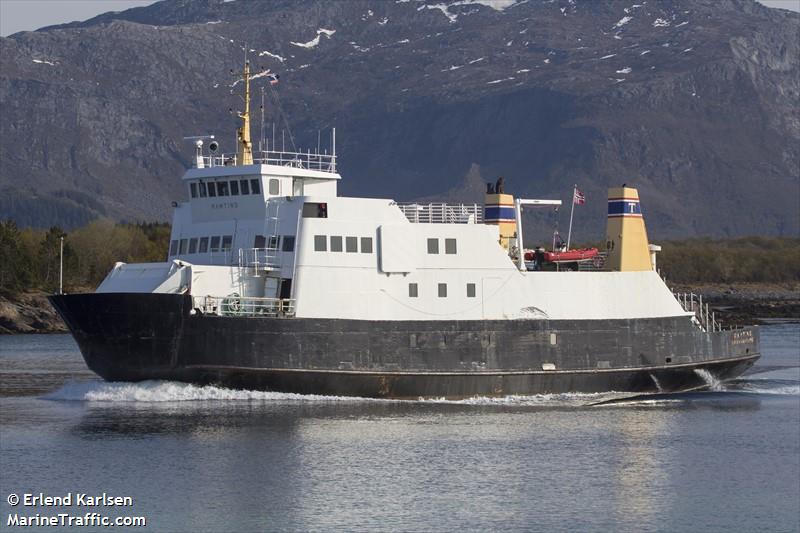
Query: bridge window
[
  {"x": 234, "y": 188},
  {"x": 245, "y": 186},
  {"x": 470, "y": 290},
  {"x": 433, "y": 246},
  {"x": 315, "y": 210},
  {"x": 288, "y": 243},
  {"x": 320, "y": 243},
  {"x": 260, "y": 242},
  {"x": 202, "y": 189},
  {"x": 193, "y": 189},
  {"x": 173, "y": 247},
  {"x": 443, "y": 290},
  {"x": 273, "y": 242},
  {"x": 274, "y": 187},
  {"x": 351, "y": 244},
  {"x": 215, "y": 244},
  {"x": 366, "y": 245},
  {"x": 227, "y": 241},
  {"x": 336, "y": 243},
  {"x": 212, "y": 189},
  {"x": 203, "y": 245},
  {"x": 184, "y": 246},
  {"x": 413, "y": 290},
  {"x": 450, "y": 246},
  {"x": 255, "y": 187},
  {"x": 193, "y": 246},
  {"x": 222, "y": 188}
]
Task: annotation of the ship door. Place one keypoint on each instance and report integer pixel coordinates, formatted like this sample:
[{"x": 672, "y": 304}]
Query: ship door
[
  {"x": 286, "y": 289},
  {"x": 297, "y": 187}
]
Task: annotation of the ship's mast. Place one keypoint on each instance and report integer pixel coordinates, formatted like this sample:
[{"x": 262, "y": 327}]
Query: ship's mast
[{"x": 244, "y": 150}]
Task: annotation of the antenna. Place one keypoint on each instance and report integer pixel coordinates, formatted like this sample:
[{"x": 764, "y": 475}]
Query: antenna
[
  {"x": 318, "y": 137},
  {"x": 273, "y": 136},
  {"x": 333, "y": 155},
  {"x": 261, "y": 138}
]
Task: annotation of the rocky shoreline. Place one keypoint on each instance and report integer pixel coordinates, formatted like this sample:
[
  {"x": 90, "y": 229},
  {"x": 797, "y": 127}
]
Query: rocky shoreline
[{"x": 734, "y": 304}]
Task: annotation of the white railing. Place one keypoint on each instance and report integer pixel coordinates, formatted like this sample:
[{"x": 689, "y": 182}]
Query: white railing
[
  {"x": 260, "y": 259},
  {"x": 235, "y": 305},
  {"x": 439, "y": 213},
  {"x": 307, "y": 160},
  {"x": 693, "y": 303}
]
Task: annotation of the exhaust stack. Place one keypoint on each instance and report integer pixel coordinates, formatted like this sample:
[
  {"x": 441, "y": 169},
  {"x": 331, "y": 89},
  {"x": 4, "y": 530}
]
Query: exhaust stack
[{"x": 626, "y": 236}]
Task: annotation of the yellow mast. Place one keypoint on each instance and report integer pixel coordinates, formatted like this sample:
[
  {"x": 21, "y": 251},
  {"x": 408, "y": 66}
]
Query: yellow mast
[{"x": 244, "y": 149}]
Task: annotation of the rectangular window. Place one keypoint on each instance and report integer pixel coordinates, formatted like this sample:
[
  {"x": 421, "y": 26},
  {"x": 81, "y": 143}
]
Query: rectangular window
[
  {"x": 193, "y": 246},
  {"x": 413, "y": 290},
  {"x": 245, "y": 186},
  {"x": 184, "y": 246},
  {"x": 234, "y": 188},
  {"x": 433, "y": 246},
  {"x": 443, "y": 290},
  {"x": 255, "y": 187},
  {"x": 222, "y": 188},
  {"x": 315, "y": 210},
  {"x": 203, "y": 245},
  {"x": 450, "y": 246},
  {"x": 351, "y": 244},
  {"x": 320, "y": 243},
  {"x": 193, "y": 189},
  {"x": 173, "y": 248},
  {"x": 202, "y": 187},
  {"x": 336, "y": 243},
  {"x": 212, "y": 190},
  {"x": 470, "y": 290},
  {"x": 288, "y": 243},
  {"x": 274, "y": 187},
  {"x": 366, "y": 245},
  {"x": 274, "y": 240},
  {"x": 227, "y": 241},
  {"x": 215, "y": 244},
  {"x": 260, "y": 242}
]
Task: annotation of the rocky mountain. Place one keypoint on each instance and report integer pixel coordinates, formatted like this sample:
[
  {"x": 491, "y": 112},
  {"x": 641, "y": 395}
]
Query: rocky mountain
[{"x": 695, "y": 102}]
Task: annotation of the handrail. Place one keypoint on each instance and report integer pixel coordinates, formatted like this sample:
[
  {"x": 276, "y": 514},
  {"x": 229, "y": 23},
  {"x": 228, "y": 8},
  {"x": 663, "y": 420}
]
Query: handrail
[
  {"x": 441, "y": 213},
  {"x": 693, "y": 303},
  {"x": 241, "y": 306},
  {"x": 306, "y": 160}
]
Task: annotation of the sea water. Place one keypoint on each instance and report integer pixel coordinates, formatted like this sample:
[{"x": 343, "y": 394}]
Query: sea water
[{"x": 192, "y": 458}]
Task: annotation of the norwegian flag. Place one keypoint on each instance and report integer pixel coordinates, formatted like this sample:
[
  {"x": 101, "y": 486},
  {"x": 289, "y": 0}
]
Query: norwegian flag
[
  {"x": 578, "y": 198},
  {"x": 273, "y": 78}
]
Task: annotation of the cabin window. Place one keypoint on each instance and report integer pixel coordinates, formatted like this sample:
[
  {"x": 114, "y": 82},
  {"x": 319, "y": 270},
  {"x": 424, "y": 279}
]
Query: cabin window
[
  {"x": 193, "y": 189},
  {"x": 202, "y": 189},
  {"x": 274, "y": 187},
  {"x": 413, "y": 290},
  {"x": 470, "y": 290},
  {"x": 234, "y": 188},
  {"x": 260, "y": 242},
  {"x": 215, "y": 244},
  {"x": 173, "y": 247},
  {"x": 255, "y": 187},
  {"x": 193, "y": 246},
  {"x": 274, "y": 240},
  {"x": 203, "y": 245},
  {"x": 366, "y": 245},
  {"x": 184, "y": 246},
  {"x": 351, "y": 244},
  {"x": 212, "y": 189},
  {"x": 443, "y": 290},
  {"x": 315, "y": 210},
  {"x": 336, "y": 243},
  {"x": 433, "y": 246},
  {"x": 245, "y": 186},
  {"x": 222, "y": 188},
  {"x": 450, "y": 246},
  {"x": 320, "y": 243},
  {"x": 288, "y": 243},
  {"x": 227, "y": 241}
]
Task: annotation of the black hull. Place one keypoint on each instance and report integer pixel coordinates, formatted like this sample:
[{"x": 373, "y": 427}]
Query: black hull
[{"x": 134, "y": 337}]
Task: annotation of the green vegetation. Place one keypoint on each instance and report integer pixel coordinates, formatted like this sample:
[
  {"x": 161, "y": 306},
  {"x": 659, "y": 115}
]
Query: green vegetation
[
  {"x": 743, "y": 260},
  {"x": 29, "y": 258}
]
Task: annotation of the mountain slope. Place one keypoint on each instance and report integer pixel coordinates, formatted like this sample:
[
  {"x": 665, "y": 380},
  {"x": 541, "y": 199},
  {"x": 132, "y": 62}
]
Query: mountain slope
[{"x": 696, "y": 103}]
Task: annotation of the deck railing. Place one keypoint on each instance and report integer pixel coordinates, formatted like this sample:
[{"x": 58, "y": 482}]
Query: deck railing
[
  {"x": 235, "y": 305},
  {"x": 693, "y": 303},
  {"x": 308, "y": 160},
  {"x": 440, "y": 213}
]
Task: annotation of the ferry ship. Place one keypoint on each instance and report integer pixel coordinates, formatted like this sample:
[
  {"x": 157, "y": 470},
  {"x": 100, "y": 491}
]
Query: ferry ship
[{"x": 275, "y": 282}]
